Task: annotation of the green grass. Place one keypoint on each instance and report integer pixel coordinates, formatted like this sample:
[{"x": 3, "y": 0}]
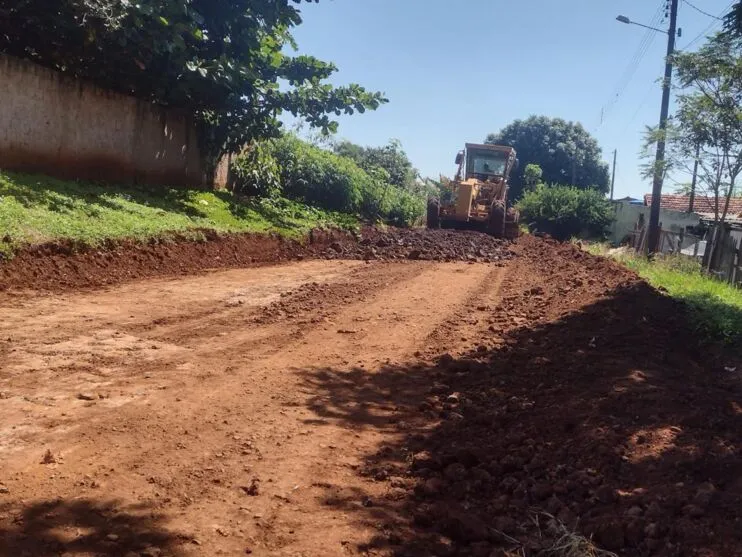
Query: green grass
[
  {"x": 715, "y": 306},
  {"x": 37, "y": 209}
]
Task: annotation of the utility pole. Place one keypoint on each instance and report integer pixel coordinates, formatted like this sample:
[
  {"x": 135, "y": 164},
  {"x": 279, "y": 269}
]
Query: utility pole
[
  {"x": 695, "y": 178},
  {"x": 659, "y": 168},
  {"x": 613, "y": 176}
]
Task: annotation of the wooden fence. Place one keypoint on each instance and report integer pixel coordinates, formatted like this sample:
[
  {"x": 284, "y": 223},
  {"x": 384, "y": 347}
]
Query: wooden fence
[
  {"x": 670, "y": 242},
  {"x": 727, "y": 259},
  {"x": 726, "y": 264}
]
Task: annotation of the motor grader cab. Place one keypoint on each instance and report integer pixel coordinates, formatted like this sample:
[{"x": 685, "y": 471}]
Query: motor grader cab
[{"x": 478, "y": 195}]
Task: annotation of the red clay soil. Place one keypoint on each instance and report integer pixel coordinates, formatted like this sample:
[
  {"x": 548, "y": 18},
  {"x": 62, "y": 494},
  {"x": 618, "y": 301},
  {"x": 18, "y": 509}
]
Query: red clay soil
[
  {"x": 328, "y": 408},
  {"x": 423, "y": 245},
  {"x": 66, "y": 266},
  {"x": 59, "y": 266},
  {"x": 588, "y": 406}
]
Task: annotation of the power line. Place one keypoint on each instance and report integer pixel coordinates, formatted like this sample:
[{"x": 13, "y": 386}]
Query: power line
[
  {"x": 700, "y": 11},
  {"x": 633, "y": 65},
  {"x": 701, "y": 35},
  {"x": 641, "y": 51},
  {"x": 652, "y": 89},
  {"x": 718, "y": 21}
]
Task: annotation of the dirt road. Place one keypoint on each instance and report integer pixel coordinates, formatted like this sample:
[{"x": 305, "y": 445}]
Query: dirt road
[{"x": 364, "y": 408}]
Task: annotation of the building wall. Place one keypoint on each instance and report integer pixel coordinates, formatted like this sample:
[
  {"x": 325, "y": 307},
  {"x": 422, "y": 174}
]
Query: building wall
[
  {"x": 627, "y": 216},
  {"x": 50, "y": 123}
]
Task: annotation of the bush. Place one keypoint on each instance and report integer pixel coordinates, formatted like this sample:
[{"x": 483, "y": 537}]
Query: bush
[
  {"x": 564, "y": 211},
  {"x": 403, "y": 208},
  {"x": 319, "y": 177},
  {"x": 255, "y": 172},
  {"x": 323, "y": 179}
]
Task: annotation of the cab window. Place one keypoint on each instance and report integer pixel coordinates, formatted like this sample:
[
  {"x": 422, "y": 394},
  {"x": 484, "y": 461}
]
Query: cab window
[{"x": 488, "y": 163}]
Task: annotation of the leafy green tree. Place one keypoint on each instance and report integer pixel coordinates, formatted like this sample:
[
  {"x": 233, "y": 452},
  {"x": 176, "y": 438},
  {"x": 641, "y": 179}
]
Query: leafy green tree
[
  {"x": 706, "y": 131},
  {"x": 221, "y": 59},
  {"x": 733, "y": 20},
  {"x": 532, "y": 176},
  {"x": 391, "y": 157},
  {"x": 566, "y": 211},
  {"x": 707, "y": 128},
  {"x": 692, "y": 144},
  {"x": 711, "y": 111},
  {"x": 565, "y": 151}
]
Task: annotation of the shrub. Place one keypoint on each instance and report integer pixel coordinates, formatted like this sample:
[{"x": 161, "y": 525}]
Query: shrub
[
  {"x": 564, "y": 211},
  {"x": 255, "y": 171},
  {"x": 403, "y": 208},
  {"x": 298, "y": 170},
  {"x": 319, "y": 177},
  {"x": 374, "y": 194}
]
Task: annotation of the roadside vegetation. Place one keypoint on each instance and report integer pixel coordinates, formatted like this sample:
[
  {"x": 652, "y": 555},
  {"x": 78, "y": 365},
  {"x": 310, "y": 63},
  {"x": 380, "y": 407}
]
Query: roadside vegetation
[
  {"x": 565, "y": 211},
  {"x": 223, "y": 65},
  {"x": 285, "y": 185},
  {"x": 36, "y": 209},
  {"x": 374, "y": 189},
  {"x": 715, "y": 306}
]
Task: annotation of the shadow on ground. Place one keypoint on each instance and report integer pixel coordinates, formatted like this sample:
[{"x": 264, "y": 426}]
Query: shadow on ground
[
  {"x": 84, "y": 527},
  {"x": 608, "y": 419},
  {"x": 65, "y": 196}
]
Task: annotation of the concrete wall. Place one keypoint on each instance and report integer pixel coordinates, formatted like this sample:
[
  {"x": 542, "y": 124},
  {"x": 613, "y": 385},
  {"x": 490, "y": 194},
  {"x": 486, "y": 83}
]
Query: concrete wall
[
  {"x": 53, "y": 124},
  {"x": 627, "y": 216}
]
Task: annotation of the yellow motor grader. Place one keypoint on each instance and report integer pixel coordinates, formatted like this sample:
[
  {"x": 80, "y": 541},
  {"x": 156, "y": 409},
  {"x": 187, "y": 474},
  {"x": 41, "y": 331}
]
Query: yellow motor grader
[{"x": 478, "y": 195}]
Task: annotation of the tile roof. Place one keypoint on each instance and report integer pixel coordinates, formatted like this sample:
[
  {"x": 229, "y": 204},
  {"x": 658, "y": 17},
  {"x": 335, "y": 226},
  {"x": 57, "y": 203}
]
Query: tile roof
[{"x": 703, "y": 205}]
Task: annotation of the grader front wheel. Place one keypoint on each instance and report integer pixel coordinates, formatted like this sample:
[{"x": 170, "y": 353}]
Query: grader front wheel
[
  {"x": 496, "y": 225},
  {"x": 512, "y": 224},
  {"x": 434, "y": 214}
]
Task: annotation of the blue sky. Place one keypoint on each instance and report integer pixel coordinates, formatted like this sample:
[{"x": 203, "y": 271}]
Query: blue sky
[{"x": 456, "y": 70}]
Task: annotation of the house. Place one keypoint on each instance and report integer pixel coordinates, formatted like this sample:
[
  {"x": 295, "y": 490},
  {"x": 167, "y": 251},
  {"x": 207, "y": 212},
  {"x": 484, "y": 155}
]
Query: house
[
  {"x": 628, "y": 199},
  {"x": 629, "y": 211},
  {"x": 704, "y": 206}
]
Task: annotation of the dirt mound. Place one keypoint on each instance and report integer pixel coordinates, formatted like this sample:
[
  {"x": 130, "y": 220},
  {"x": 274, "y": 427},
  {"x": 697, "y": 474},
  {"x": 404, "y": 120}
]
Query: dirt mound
[
  {"x": 62, "y": 266},
  {"x": 596, "y": 413},
  {"x": 429, "y": 245}
]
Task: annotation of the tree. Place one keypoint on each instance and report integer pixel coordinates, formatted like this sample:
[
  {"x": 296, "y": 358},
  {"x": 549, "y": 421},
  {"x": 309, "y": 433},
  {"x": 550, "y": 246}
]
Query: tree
[
  {"x": 391, "y": 157},
  {"x": 565, "y": 151},
  {"x": 733, "y": 20},
  {"x": 532, "y": 176},
  {"x": 221, "y": 59},
  {"x": 714, "y": 107},
  {"x": 707, "y": 127},
  {"x": 692, "y": 141},
  {"x": 440, "y": 189}
]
